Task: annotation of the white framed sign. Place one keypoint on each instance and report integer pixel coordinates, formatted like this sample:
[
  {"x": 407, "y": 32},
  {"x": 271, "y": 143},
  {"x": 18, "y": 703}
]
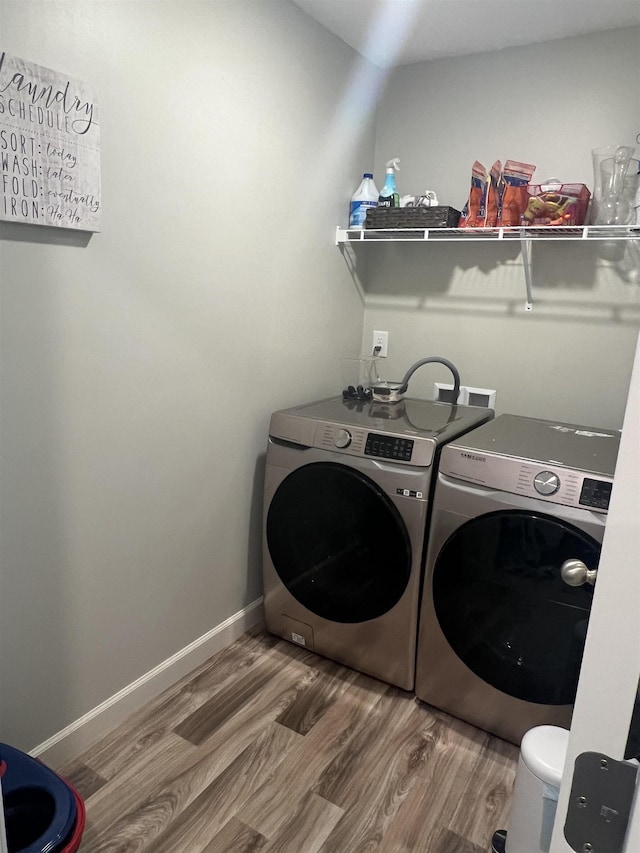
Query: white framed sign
[{"x": 49, "y": 147}]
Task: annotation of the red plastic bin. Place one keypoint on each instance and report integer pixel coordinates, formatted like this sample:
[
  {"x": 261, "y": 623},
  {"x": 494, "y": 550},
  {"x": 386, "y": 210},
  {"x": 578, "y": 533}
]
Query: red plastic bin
[{"x": 556, "y": 204}]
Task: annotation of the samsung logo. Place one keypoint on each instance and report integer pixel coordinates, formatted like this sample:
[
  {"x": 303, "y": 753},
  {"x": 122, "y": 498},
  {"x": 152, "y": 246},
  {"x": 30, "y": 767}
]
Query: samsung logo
[{"x": 474, "y": 457}]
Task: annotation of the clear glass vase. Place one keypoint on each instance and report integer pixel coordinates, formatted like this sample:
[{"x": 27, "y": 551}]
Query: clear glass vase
[{"x": 616, "y": 177}]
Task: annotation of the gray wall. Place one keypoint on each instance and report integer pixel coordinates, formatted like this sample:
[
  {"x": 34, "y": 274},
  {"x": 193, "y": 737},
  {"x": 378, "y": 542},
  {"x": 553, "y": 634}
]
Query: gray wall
[
  {"x": 546, "y": 104},
  {"x": 139, "y": 367}
]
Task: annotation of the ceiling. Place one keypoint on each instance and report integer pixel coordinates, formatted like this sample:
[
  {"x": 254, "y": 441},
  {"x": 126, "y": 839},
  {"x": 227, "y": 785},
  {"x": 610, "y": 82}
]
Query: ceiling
[{"x": 399, "y": 32}]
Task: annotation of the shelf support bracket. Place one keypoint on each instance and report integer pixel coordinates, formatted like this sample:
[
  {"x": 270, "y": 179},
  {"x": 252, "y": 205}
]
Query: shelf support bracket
[{"x": 525, "y": 243}]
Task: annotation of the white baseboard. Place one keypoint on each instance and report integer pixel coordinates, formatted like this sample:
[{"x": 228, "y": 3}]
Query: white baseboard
[{"x": 85, "y": 731}]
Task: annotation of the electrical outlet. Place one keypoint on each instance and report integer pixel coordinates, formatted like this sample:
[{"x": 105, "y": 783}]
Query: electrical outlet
[
  {"x": 467, "y": 396},
  {"x": 380, "y": 339}
]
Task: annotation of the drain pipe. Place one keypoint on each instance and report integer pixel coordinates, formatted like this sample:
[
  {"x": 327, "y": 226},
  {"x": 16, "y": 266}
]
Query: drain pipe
[{"x": 434, "y": 358}]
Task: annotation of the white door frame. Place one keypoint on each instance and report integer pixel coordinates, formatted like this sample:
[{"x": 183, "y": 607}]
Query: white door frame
[
  {"x": 611, "y": 664},
  {"x": 3, "y": 832}
]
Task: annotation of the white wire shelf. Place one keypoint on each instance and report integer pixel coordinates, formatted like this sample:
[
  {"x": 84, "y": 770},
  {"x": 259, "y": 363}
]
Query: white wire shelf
[
  {"x": 537, "y": 233},
  {"x": 525, "y": 236}
]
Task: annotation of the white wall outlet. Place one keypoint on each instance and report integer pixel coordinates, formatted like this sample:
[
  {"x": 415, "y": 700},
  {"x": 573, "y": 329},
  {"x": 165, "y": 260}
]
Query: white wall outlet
[
  {"x": 380, "y": 339},
  {"x": 468, "y": 396},
  {"x": 481, "y": 397},
  {"x": 443, "y": 393}
]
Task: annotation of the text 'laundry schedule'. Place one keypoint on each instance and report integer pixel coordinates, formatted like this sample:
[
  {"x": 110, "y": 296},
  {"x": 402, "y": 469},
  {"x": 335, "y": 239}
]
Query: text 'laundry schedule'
[{"x": 49, "y": 148}]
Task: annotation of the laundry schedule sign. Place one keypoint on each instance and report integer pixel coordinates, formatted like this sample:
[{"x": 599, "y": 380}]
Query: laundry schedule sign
[{"x": 49, "y": 147}]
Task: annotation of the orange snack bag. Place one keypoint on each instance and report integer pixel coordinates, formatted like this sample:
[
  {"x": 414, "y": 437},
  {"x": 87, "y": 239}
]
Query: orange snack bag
[
  {"x": 515, "y": 196},
  {"x": 494, "y": 194},
  {"x": 474, "y": 212}
]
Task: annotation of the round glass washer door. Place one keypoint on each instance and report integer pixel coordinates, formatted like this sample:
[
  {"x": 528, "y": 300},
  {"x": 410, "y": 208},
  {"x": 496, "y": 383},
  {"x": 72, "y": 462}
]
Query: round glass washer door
[
  {"x": 504, "y": 608},
  {"x": 338, "y": 543}
]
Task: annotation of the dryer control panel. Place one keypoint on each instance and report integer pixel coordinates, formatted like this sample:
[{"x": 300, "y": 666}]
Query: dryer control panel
[{"x": 540, "y": 480}]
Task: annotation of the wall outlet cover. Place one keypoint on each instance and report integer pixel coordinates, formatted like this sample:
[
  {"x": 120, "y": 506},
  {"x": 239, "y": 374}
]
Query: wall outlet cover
[
  {"x": 380, "y": 339},
  {"x": 443, "y": 393},
  {"x": 481, "y": 397},
  {"x": 468, "y": 396}
]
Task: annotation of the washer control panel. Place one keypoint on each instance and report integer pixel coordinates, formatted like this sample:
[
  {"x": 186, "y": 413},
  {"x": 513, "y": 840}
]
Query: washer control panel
[
  {"x": 416, "y": 451},
  {"x": 389, "y": 447},
  {"x": 595, "y": 493},
  {"x": 564, "y": 486}
]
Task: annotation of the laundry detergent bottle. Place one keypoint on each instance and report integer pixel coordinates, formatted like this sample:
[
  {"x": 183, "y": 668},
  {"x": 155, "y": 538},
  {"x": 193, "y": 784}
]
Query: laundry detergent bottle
[
  {"x": 389, "y": 194},
  {"x": 363, "y": 199}
]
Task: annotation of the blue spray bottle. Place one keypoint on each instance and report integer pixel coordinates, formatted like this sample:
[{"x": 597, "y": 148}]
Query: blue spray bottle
[{"x": 389, "y": 196}]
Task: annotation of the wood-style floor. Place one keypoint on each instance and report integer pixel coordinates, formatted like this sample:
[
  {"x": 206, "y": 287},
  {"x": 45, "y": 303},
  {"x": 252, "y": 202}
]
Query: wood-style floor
[{"x": 270, "y": 748}]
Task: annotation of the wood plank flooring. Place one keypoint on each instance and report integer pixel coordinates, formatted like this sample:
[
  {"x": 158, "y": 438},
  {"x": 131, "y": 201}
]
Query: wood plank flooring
[{"x": 270, "y": 748}]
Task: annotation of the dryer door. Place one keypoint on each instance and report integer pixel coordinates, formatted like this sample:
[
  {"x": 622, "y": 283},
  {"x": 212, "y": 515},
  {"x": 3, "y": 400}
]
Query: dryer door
[
  {"x": 504, "y": 608},
  {"x": 338, "y": 543}
]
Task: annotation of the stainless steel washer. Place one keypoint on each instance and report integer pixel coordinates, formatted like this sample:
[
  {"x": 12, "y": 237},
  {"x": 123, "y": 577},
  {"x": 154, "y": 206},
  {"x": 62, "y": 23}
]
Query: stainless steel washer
[
  {"x": 501, "y": 632},
  {"x": 346, "y": 504}
]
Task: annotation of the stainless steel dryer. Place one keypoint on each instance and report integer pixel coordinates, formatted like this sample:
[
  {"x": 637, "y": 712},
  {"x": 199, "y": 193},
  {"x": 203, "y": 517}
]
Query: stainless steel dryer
[
  {"x": 346, "y": 501},
  {"x": 501, "y": 632}
]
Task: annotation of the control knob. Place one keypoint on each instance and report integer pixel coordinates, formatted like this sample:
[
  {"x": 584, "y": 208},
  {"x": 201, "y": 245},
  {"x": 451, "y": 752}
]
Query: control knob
[
  {"x": 342, "y": 438},
  {"x": 546, "y": 483}
]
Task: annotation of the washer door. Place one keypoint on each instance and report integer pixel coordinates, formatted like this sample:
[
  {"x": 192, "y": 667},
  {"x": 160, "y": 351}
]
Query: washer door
[
  {"x": 504, "y": 608},
  {"x": 338, "y": 543}
]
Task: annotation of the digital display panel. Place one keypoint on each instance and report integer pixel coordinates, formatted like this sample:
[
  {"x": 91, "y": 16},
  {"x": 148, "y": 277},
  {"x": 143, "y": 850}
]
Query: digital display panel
[
  {"x": 595, "y": 493},
  {"x": 388, "y": 447}
]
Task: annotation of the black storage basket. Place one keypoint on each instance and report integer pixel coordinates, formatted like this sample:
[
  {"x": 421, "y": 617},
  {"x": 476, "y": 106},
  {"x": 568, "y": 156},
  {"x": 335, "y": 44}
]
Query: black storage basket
[{"x": 412, "y": 217}]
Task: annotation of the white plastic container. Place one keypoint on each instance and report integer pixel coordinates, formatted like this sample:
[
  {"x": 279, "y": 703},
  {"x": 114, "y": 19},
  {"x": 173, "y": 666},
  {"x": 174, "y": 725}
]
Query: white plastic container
[
  {"x": 364, "y": 198},
  {"x": 535, "y": 794},
  {"x": 361, "y": 371}
]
